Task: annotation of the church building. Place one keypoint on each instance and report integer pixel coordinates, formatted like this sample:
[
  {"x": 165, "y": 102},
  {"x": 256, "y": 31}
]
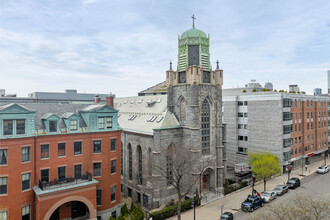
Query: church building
[{"x": 187, "y": 116}]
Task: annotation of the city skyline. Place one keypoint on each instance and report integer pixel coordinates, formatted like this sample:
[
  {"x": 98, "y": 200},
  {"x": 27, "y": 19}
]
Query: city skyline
[{"x": 125, "y": 47}]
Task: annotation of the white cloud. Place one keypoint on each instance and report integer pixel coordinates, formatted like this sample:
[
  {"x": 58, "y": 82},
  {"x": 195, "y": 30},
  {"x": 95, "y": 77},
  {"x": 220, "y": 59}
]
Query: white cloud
[
  {"x": 91, "y": 1},
  {"x": 126, "y": 45}
]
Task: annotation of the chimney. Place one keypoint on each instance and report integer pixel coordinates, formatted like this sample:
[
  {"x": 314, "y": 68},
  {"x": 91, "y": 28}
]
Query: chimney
[
  {"x": 110, "y": 101},
  {"x": 97, "y": 99}
]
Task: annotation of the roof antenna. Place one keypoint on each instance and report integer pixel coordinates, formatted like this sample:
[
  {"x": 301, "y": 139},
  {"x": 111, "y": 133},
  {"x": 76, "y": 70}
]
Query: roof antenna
[{"x": 193, "y": 17}]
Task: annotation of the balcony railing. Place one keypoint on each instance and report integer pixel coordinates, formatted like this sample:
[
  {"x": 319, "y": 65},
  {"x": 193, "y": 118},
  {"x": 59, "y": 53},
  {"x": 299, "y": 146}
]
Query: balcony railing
[{"x": 67, "y": 181}]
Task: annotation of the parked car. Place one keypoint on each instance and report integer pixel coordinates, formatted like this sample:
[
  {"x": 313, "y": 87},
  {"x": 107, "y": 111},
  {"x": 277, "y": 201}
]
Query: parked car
[
  {"x": 227, "y": 216},
  {"x": 242, "y": 169},
  {"x": 268, "y": 196},
  {"x": 322, "y": 169},
  {"x": 252, "y": 203},
  {"x": 281, "y": 189},
  {"x": 293, "y": 183}
]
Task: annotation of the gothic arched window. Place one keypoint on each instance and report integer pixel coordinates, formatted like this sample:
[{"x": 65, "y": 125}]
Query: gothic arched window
[
  {"x": 169, "y": 164},
  {"x": 182, "y": 104},
  {"x": 205, "y": 127},
  {"x": 140, "y": 164},
  {"x": 150, "y": 163},
  {"x": 130, "y": 162}
]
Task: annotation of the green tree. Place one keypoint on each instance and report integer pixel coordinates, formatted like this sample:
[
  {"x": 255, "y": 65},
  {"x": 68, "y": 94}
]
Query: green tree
[
  {"x": 264, "y": 165},
  {"x": 137, "y": 213},
  {"x": 133, "y": 206},
  {"x": 124, "y": 210}
]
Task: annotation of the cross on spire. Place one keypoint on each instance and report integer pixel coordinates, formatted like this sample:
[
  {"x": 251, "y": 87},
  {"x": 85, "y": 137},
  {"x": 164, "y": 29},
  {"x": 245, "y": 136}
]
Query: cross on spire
[
  {"x": 170, "y": 65},
  {"x": 193, "y": 17},
  {"x": 217, "y": 64}
]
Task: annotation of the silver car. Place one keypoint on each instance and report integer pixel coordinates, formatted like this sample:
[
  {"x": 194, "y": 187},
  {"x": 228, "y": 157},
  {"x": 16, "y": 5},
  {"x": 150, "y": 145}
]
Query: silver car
[
  {"x": 281, "y": 189},
  {"x": 268, "y": 196},
  {"x": 322, "y": 169}
]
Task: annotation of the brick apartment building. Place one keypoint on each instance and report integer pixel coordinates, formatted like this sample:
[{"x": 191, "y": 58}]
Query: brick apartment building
[
  {"x": 292, "y": 126},
  {"x": 59, "y": 160}
]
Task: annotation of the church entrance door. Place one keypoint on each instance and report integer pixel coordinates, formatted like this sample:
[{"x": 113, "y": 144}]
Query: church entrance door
[{"x": 208, "y": 180}]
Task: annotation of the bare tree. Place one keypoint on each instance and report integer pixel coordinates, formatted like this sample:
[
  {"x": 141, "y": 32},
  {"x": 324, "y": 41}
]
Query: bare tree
[
  {"x": 311, "y": 208},
  {"x": 300, "y": 207},
  {"x": 178, "y": 172}
]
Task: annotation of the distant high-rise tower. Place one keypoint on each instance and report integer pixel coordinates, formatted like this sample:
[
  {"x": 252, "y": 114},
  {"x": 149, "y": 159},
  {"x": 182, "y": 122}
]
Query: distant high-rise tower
[
  {"x": 294, "y": 88},
  {"x": 328, "y": 81},
  {"x": 269, "y": 85},
  {"x": 317, "y": 91}
]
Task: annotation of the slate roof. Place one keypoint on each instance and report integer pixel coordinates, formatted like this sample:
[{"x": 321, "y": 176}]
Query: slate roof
[
  {"x": 159, "y": 88},
  {"x": 67, "y": 115},
  {"x": 45, "y": 110},
  {"x": 144, "y": 108},
  {"x": 92, "y": 107}
]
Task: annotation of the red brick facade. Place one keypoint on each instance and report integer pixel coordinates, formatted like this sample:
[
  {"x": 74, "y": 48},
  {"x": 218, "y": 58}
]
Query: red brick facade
[
  {"x": 310, "y": 128},
  {"x": 15, "y": 199}
]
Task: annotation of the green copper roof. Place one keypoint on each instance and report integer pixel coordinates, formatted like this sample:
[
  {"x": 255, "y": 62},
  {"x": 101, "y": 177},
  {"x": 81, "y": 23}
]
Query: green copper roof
[{"x": 193, "y": 32}]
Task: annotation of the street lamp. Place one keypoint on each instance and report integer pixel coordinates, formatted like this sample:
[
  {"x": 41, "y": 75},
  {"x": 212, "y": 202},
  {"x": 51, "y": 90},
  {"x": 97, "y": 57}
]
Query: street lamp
[{"x": 194, "y": 206}]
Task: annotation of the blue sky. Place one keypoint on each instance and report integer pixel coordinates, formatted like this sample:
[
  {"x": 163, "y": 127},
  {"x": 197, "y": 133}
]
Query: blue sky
[{"x": 123, "y": 47}]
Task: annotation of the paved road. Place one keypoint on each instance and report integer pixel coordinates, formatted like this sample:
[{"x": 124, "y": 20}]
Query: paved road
[
  {"x": 316, "y": 184},
  {"x": 232, "y": 202}
]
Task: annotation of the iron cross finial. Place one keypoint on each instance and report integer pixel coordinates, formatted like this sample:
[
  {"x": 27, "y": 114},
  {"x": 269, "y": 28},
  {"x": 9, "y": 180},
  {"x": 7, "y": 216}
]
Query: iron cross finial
[
  {"x": 170, "y": 65},
  {"x": 193, "y": 17},
  {"x": 217, "y": 64}
]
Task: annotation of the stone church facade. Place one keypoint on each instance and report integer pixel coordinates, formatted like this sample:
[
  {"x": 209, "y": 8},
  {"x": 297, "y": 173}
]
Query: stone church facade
[{"x": 188, "y": 116}]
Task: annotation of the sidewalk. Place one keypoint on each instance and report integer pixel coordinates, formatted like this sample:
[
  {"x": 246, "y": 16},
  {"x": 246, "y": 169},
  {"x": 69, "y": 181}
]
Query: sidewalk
[{"x": 232, "y": 202}]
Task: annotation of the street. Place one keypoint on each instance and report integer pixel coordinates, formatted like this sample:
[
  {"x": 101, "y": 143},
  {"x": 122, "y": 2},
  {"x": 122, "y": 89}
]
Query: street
[
  {"x": 316, "y": 184},
  {"x": 311, "y": 184}
]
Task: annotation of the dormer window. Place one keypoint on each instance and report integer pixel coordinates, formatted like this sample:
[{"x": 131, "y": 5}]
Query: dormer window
[
  {"x": 52, "y": 126},
  {"x": 8, "y": 127},
  {"x": 109, "y": 122},
  {"x": 73, "y": 125},
  {"x": 51, "y": 122},
  {"x": 105, "y": 122},
  {"x": 101, "y": 122},
  {"x": 20, "y": 126},
  {"x": 71, "y": 121}
]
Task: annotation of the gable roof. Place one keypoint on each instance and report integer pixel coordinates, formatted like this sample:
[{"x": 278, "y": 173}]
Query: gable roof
[
  {"x": 19, "y": 108},
  {"x": 67, "y": 115},
  {"x": 48, "y": 115},
  {"x": 170, "y": 120}
]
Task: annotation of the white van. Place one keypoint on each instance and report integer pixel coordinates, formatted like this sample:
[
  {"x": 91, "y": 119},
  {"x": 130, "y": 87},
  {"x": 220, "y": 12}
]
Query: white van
[{"x": 242, "y": 169}]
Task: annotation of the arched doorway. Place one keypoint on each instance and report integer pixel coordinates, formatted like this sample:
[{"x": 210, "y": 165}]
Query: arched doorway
[
  {"x": 73, "y": 210},
  {"x": 208, "y": 180},
  {"x": 74, "y": 207}
]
